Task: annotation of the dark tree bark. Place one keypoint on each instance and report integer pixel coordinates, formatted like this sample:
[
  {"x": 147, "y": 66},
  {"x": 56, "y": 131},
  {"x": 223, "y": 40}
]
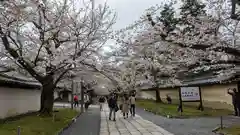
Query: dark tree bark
[
  {"x": 47, "y": 96},
  {"x": 156, "y": 88},
  {"x": 158, "y": 98}
]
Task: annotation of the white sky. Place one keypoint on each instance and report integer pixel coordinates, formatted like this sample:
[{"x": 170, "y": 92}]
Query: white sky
[{"x": 128, "y": 11}]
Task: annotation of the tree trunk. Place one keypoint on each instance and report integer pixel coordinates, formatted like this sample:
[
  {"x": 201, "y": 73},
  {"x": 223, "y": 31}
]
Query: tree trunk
[
  {"x": 157, "y": 93},
  {"x": 158, "y": 98},
  {"x": 47, "y": 96},
  {"x": 238, "y": 85}
]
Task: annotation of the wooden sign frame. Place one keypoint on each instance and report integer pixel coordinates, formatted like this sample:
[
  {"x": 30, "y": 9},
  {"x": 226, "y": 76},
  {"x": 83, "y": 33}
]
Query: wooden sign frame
[{"x": 180, "y": 107}]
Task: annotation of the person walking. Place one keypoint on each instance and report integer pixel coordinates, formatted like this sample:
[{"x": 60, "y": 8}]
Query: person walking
[
  {"x": 233, "y": 93},
  {"x": 125, "y": 107},
  {"x": 75, "y": 101},
  {"x": 132, "y": 104},
  {"x": 101, "y": 102},
  {"x": 112, "y": 104},
  {"x": 169, "y": 99},
  {"x": 238, "y": 102},
  {"x": 121, "y": 100}
]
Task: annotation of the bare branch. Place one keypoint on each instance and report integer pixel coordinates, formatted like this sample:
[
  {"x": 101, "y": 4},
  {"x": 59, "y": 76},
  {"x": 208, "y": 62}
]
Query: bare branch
[
  {"x": 62, "y": 75},
  {"x": 16, "y": 56}
]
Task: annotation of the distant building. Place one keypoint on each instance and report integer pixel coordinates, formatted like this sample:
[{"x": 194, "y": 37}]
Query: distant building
[
  {"x": 62, "y": 95},
  {"x": 213, "y": 89}
]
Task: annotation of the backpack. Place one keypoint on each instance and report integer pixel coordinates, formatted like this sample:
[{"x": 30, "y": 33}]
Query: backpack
[{"x": 75, "y": 98}]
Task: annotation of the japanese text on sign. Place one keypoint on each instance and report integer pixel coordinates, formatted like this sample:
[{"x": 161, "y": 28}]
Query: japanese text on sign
[{"x": 190, "y": 93}]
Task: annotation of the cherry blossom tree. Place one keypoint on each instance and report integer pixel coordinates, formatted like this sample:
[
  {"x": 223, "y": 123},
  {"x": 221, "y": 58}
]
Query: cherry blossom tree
[
  {"x": 208, "y": 39},
  {"x": 198, "y": 40},
  {"x": 200, "y": 31},
  {"x": 50, "y": 38},
  {"x": 160, "y": 47},
  {"x": 152, "y": 59}
]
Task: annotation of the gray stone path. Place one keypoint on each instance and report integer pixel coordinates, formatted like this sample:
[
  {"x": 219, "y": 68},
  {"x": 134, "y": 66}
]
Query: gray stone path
[
  {"x": 130, "y": 126},
  {"x": 193, "y": 126},
  {"x": 144, "y": 123},
  {"x": 87, "y": 123}
]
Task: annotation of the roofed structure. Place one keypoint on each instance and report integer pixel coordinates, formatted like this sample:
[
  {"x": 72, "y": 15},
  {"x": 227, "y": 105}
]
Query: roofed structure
[
  {"x": 207, "y": 78},
  {"x": 17, "y": 80}
]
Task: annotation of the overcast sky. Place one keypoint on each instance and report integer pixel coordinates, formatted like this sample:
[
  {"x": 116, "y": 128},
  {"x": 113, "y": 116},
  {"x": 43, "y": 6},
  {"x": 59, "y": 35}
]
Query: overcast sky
[{"x": 129, "y": 11}]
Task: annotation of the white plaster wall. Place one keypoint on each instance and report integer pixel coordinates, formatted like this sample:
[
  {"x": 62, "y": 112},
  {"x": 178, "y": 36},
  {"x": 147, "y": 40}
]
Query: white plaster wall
[
  {"x": 214, "y": 96},
  {"x": 147, "y": 95},
  {"x": 15, "y": 101},
  {"x": 217, "y": 93}
]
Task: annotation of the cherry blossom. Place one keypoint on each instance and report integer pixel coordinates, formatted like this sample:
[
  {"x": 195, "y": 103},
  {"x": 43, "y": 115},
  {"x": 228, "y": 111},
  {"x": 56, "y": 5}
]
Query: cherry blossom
[{"x": 50, "y": 39}]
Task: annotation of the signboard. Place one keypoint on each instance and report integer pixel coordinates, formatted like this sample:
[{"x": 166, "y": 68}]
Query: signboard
[{"x": 190, "y": 94}]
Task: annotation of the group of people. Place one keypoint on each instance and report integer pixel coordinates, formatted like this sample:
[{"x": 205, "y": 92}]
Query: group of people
[
  {"x": 126, "y": 105},
  {"x": 76, "y": 102},
  {"x": 235, "y": 100}
]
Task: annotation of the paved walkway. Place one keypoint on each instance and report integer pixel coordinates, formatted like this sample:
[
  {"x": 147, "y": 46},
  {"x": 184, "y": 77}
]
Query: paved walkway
[
  {"x": 145, "y": 123},
  {"x": 87, "y": 123},
  {"x": 191, "y": 126},
  {"x": 130, "y": 126}
]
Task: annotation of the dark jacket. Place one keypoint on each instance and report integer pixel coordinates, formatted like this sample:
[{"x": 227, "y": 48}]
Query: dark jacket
[
  {"x": 237, "y": 98},
  {"x": 112, "y": 102},
  {"x": 234, "y": 97}
]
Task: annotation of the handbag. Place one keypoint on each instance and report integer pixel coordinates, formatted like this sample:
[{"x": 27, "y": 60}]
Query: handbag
[
  {"x": 116, "y": 108},
  {"x": 121, "y": 106}
]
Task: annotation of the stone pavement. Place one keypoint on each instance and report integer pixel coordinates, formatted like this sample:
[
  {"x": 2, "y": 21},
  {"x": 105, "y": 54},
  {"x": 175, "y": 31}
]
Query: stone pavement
[
  {"x": 145, "y": 123},
  {"x": 130, "y": 126}
]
